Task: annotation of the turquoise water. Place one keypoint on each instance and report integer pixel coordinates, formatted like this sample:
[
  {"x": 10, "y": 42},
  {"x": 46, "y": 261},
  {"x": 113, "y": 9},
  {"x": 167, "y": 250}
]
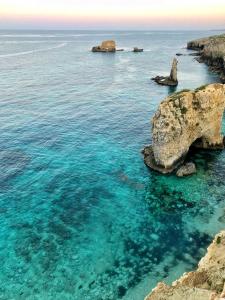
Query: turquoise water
[{"x": 81, "y": 217}]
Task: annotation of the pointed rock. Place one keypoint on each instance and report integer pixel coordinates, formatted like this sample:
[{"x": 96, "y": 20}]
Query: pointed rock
[{"x": 169, "y": 80}]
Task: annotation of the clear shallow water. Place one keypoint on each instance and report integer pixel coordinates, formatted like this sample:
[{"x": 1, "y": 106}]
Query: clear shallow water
[{"x": 81, "y": 217}]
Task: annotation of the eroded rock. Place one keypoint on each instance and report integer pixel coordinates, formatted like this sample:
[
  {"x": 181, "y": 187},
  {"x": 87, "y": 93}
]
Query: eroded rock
[
  {"x": 168, "y": 80},
  {"x": 106, "y": 46},
  {"x": 183, "y": 119},
  {"x": 212, "y": 52},
  {"x": 206, "y": 283},
  {"x": 186, "y": 169}
]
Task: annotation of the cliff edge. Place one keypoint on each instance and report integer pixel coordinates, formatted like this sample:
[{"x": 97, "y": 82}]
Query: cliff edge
[
  {"x": 212, "y": 52},
  {"x": 206, "y": 283}
]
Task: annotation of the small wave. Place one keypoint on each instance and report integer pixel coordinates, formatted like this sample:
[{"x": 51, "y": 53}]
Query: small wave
[
  {"x": 32, "y": 51},
  {"x": 35, "y": 42},
  {"x": 26, "y": 35}
]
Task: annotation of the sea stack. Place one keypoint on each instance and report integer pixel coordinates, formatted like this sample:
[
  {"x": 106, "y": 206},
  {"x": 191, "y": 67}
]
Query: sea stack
[
  {"x": 169, "y": 80},
  {"x": 185, "y": 119},
  {"x": 173, "y": 72},
  {"x": 106, "y": 46}
]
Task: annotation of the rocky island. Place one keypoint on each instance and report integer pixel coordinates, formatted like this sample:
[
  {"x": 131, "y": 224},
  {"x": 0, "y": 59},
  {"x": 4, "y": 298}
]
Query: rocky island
[
  {"x": 185, "y": 119},
  {"x": 106, "y": 46},
  {"x": 170, "y": 80},
  {"x": 206, "y": 283},
  {"x": 212, "y": 52}
]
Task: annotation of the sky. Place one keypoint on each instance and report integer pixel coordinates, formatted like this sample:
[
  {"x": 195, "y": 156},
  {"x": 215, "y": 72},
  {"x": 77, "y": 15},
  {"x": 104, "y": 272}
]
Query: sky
[{"x": 112, "y": 14}]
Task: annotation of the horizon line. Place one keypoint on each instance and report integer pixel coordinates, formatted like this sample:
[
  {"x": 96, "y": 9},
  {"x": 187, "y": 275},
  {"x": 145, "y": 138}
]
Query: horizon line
[{"x": 112, "y": 29}]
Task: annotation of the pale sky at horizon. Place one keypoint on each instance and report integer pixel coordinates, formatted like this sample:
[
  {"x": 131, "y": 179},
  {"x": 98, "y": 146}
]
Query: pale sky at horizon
[{"x": 114, "y": 14}]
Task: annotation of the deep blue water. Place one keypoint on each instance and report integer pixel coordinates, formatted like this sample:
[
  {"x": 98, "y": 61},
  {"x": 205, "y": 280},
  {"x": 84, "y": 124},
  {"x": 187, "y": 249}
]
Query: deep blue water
[{"x": 81, "y": 217}]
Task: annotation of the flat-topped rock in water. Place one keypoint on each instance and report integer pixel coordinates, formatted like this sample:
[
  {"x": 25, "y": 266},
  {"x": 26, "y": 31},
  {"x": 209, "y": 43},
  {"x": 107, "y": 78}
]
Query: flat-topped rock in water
[
  {"x": 183, "y": 119},
  {"x": 206, "y": 283},
  {"x": 136, "y": 49},
  {"x": 168, "y": 80},
  {"x": 106, "y": 46},
  {"x": 212, "y": 52}
]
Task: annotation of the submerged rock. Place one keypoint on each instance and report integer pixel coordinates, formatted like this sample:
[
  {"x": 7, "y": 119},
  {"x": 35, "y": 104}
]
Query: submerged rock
[
  {"x": 106, "y": 46},
  {"x": 169, "y": 80},
  {"x": 184, "y": 119},
  {"x": 186, "y": 169},
  {"x": 206, "y": 283},
  {"x": 212, "y": 52}
]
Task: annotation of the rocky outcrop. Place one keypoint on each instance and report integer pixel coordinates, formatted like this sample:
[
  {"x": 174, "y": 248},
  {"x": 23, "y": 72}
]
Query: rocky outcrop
[
  {"x": 106, "y": 46},
  {"x": 212, "y": 52},
  {"x": 182, "y": 120},
  {"x": 206, "y": 283},
  {"x": 168, "y": 80},
  {"x": 186, "y": 169},
  {"x": 136, "y": 49}
]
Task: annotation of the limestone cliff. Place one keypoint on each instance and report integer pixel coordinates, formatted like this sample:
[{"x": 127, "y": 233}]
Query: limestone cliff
[
  {"x": 212, "y": 52},
  {"x": 206, "y": 283},
  {"x": 182, "y": 119}
]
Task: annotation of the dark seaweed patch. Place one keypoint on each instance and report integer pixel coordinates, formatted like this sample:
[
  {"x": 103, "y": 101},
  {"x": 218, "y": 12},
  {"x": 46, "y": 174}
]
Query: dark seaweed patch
[
  {"x": 121, "y": 291},
  {"x": 161, "y": 198}
]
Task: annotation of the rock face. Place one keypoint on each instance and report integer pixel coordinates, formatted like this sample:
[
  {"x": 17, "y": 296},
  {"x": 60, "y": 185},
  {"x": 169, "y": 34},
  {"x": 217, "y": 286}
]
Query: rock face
[
  {"x": 106, "y": 46},
  {"x": 206, "y": 283},
  {"x": 169, "y": 80},
  {"x": 186, "y": 169},
  {"x": 212, "y": 52},
  {"x": 173, "y": 72},
  {"x": 184, "y": 119}
]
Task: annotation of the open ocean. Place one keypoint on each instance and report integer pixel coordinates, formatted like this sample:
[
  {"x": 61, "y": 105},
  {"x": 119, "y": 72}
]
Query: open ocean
[{"x": 81, "y": 216}]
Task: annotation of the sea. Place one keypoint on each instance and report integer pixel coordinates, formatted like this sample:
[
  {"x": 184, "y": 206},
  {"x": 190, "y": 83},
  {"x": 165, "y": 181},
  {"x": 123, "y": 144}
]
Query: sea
[{"x": 81, "y": 216}]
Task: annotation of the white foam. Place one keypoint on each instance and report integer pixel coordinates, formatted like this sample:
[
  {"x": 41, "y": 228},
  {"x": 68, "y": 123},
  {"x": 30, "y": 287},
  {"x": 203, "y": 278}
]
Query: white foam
[{"x": 32, "y": 51}]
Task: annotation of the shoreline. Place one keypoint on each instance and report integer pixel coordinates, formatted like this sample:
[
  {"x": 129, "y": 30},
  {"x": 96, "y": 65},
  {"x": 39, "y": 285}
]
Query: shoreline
[
  {"x": 212, "y": 53},
  {"x": 206, "y": 283}
]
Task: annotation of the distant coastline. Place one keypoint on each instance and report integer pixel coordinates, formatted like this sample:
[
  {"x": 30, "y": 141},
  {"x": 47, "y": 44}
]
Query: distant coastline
[{"x": 212, "y": 52}]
